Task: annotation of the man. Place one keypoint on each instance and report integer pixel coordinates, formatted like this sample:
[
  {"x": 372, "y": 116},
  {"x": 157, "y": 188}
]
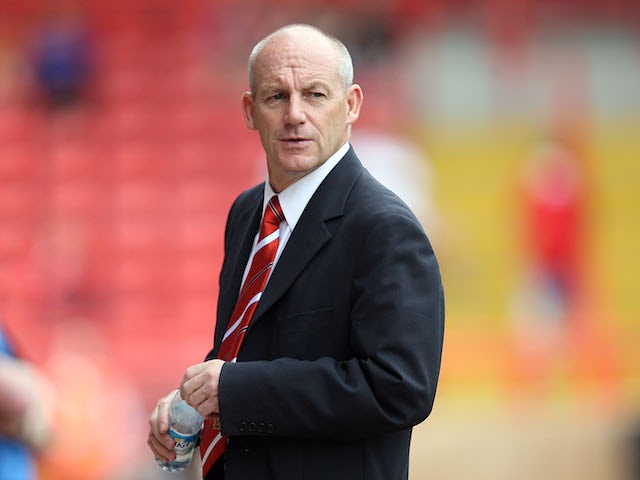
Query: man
[{"x": 322, "y": 372}]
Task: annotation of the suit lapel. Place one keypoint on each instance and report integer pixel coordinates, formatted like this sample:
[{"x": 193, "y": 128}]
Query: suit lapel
[
  {"x": 307, "y": 238},
  {"x": 311, "y": 231}
]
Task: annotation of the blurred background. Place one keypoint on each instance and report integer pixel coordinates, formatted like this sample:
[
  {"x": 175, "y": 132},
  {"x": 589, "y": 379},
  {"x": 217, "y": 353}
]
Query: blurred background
[{"x": 511, "y": 127}]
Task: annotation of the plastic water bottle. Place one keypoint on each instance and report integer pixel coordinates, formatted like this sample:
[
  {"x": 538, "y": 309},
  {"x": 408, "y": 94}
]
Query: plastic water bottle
[{"x": 184, "y": 427}]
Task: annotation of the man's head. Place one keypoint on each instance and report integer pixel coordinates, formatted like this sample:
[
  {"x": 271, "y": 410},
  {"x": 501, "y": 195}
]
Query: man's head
[{"x": 302, "y": 100}]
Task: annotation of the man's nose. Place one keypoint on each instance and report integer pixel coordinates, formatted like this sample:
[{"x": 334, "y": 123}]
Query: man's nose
[{"x": 294, "y": 114}]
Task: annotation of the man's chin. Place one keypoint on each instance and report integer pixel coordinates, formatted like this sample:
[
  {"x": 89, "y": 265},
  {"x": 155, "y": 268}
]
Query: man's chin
[{"x": 299, "y": 161}]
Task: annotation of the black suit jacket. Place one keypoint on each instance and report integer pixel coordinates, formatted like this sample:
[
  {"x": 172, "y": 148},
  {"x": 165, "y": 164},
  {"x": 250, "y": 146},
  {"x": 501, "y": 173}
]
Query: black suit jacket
[{"x": 343, "y": 353}]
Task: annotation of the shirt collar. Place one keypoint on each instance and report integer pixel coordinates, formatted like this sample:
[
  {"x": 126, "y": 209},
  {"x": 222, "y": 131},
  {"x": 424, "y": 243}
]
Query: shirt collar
[{"x": 295, "y": 197}]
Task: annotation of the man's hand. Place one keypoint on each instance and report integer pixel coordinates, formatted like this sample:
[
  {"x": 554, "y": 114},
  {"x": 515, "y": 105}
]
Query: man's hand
[
  {"x": 199, "y": 387},
  {"x": 159, "y": 440}
]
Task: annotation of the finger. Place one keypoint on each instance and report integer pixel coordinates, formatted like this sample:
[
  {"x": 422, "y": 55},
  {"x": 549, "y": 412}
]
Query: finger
[
  {"x": 209, "y": 407},
  {"x": 194, "y": 378},
  {"x": 194, "y": 371},
  {"x": 204, "y": 399},
  {"x": 189, "y": 387},
  {"x": 199, "y": 395},
  {"x": 159, "y": 422},
  {"x": 164, "y": 406},
  {"x": 159, "y": 450},
  {"x": 161, "y": 444},
  {"x": 200, "y": 386}
]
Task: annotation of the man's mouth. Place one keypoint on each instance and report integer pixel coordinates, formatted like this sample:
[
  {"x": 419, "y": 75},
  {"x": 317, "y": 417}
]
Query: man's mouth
[{"x": 295, "y": 143}]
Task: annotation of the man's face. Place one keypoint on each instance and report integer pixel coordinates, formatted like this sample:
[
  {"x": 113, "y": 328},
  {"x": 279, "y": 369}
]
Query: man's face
[{"x": 299, "y": 105}]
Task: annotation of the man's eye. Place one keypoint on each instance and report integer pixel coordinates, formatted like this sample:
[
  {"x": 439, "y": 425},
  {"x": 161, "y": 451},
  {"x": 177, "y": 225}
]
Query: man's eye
[
  {"x": 317, "y": 94},
  {"x": 277, "y": 96}
]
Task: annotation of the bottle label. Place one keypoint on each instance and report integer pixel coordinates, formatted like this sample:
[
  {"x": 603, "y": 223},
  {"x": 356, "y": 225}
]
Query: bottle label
[{"x": 184, "y": 444}]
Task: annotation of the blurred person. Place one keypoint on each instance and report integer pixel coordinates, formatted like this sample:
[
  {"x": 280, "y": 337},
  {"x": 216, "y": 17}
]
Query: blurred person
[
  {"x": 24, "y": 424},
  {"x": 556, "y": 325},
  {"x": 561, "y": 322},
  {"x": 551, "y": 196},
  {"x": 62, "y": 59},
  {"x": 552, "y": 205},
  {"x": 323, "y": 372}
]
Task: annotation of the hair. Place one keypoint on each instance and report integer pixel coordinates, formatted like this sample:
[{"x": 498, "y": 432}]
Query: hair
[{"x": 345, "y": 63}]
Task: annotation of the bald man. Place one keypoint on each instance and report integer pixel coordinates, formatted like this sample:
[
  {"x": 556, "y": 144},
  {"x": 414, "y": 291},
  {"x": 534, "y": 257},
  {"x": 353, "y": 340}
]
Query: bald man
[{"x": 330, "y": 314}]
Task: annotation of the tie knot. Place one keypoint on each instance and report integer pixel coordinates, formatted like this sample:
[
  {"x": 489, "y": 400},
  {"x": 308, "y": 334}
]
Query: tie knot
[{"x": 273, "y": 213}]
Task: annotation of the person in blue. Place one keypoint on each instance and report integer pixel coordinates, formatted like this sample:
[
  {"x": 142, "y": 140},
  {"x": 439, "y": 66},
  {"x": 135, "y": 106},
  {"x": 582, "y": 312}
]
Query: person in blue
[
  {"x": 23, "y": 428},
  {"x": 62, "y": 59}
]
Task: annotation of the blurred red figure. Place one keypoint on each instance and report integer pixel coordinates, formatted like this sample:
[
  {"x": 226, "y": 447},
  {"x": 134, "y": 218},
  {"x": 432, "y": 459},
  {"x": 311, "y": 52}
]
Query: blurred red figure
[
  {"x": 562, "y": 330},
  {"x": 546, "y": 301},
  {"x": 553, "y": 227}
]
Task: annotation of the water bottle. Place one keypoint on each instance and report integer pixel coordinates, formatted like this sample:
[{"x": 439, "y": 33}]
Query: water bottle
[{"x": 184, "y": 427}]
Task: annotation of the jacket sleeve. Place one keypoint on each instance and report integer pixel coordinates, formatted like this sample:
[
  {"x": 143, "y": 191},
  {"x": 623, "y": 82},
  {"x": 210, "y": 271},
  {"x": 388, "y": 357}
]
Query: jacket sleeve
[{"x": 388, "y": 383}]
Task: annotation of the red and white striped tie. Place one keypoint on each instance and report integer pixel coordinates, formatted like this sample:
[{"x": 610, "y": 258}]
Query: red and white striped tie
[{"x": 213, "y": 443}]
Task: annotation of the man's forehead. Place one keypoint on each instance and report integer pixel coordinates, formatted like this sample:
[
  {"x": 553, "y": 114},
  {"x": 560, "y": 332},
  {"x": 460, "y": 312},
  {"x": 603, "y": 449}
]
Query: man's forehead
[
  {"x": 292, "y": 55},
  {"x": 284, "y": 68}
]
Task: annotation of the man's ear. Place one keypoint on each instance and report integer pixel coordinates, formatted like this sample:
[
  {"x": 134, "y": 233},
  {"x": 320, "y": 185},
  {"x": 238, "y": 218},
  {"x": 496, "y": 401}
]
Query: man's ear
[
  {"x": 247, "y": 110},
  {"x": 354, "y": 102}
]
